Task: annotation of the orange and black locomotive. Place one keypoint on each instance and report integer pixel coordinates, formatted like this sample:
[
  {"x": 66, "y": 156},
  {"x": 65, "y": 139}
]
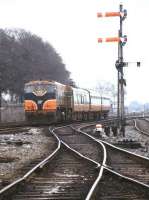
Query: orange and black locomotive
[{"x": 56, "y": 102}]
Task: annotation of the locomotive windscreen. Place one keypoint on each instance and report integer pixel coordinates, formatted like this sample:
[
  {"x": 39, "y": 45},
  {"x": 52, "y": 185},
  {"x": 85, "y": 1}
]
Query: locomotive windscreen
[{"x": 40, "y": 89}]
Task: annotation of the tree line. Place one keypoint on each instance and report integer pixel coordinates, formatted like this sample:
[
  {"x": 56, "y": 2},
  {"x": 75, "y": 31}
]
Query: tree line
[{"x": 25, "y": 56}]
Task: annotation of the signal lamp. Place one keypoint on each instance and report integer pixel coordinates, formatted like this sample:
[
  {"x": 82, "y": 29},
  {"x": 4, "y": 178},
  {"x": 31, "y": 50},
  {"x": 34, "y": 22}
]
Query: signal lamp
[
  {"x": 138, "y": 64},
  {"x": 123, "y": 40},
  {"x": 123, "y": 14}
]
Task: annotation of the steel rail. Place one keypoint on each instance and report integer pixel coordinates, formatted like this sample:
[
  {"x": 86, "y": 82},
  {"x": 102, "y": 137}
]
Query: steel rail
[
  {"x": 90, "y": 193},
  {"x": 92, "y": 189},
  {"x": 81, "y": 155},
  {"x": 124, "y": 150},
  {"x": 104, "y": 166},
  {"x": 39, "y": 165},
  {"x": 118, "y": 148},
  {"x": 75, "y": 151},
  {"x": 147, "y": 120},
  {"x": 138, "y": 129},
  {"x": 126, "y": 177}
]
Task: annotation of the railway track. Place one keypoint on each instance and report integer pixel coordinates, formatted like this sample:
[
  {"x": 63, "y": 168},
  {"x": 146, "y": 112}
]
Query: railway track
[
  {"x": 116, "y": 187},
  {"x": 126, "y": 163},
  {"x": 129, "y": 184},
  {"x": 67, "y": 176},
  {"x": 4, "y": 126},
  {"x": 12, "y": 189},
  {"x": 81, "y": 143},
  {"x": 73, "y": 171},
  {"x": 142, "y": 125},
  {"x": 12, "y": 127}
]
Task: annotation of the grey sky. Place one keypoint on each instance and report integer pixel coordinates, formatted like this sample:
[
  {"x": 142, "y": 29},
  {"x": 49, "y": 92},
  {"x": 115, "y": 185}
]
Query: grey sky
[{"x": 72, "y": 27}]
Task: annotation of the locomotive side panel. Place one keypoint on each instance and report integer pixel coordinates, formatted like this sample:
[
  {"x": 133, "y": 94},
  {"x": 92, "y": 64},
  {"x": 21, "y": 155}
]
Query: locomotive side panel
[
  {"x": 81, "y": 100},
  {"x": 64, "y": 102}
]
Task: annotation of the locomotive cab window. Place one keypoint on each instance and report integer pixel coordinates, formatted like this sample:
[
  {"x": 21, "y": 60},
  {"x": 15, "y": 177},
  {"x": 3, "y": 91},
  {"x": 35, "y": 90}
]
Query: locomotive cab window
[
  {"x": 41, "y": 90},
  {"x": 28, "y": 89}
]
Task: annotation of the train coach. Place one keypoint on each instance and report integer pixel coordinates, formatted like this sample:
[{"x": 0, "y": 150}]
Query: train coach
[{"x": 54, "y": 101}]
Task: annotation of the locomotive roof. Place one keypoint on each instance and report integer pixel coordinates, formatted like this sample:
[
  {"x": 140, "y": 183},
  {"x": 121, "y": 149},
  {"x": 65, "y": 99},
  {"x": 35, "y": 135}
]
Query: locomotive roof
[{"x": 42, "y": 82}]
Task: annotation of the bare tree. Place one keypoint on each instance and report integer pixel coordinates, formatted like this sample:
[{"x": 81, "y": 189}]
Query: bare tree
[{"x": 107, "y": 89}]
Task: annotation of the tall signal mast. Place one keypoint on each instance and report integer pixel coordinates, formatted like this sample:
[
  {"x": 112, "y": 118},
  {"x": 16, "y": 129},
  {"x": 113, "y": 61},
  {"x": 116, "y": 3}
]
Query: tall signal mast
[
  {"x": 121, "y": 39},
  {"x": 121, "y": 81}
]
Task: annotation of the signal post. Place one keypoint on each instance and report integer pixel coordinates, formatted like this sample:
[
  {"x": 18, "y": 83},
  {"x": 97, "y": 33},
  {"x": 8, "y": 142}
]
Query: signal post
[
  {"x": 121, "y": 39},
  {"x": 121, "y": 81}
]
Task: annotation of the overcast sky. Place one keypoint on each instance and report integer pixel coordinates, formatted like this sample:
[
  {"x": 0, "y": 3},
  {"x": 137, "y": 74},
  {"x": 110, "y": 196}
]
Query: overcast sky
[{"x": 72, "y": 27}]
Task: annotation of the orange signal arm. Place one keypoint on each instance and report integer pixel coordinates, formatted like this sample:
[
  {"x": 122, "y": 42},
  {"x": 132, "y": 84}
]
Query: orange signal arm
[
  {"x": 109, "y": 14},
  {"x": 112, "y": 39},
  {"x": 112, "y": 14},
  {"x": 109, "y": 39}
]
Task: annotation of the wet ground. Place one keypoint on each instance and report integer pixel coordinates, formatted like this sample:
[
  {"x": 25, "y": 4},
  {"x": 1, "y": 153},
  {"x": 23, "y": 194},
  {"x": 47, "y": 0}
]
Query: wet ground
[{"x": 17, "y": 149}]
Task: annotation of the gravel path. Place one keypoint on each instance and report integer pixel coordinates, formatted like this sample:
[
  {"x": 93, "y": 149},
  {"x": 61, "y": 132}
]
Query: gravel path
[
  {"x": 131, "y": 134},
  {"x": 18, "y": 149}
]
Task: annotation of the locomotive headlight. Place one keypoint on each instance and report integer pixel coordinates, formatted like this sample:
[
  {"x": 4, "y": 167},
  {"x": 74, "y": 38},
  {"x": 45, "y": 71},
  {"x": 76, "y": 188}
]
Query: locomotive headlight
[
  {"x": 30, "y": 105},
  {"x": 50, "y": 105}
]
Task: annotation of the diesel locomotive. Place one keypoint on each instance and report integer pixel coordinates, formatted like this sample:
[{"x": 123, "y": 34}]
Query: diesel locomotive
[{"x": 58, "y": 102}]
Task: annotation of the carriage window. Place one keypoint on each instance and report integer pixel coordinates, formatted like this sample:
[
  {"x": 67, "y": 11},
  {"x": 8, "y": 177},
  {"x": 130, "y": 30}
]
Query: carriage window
[
  {"x": 95, "y": 100},
  {"x": 82, "y": 99},
  {"x": 106, "y": 102}
]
